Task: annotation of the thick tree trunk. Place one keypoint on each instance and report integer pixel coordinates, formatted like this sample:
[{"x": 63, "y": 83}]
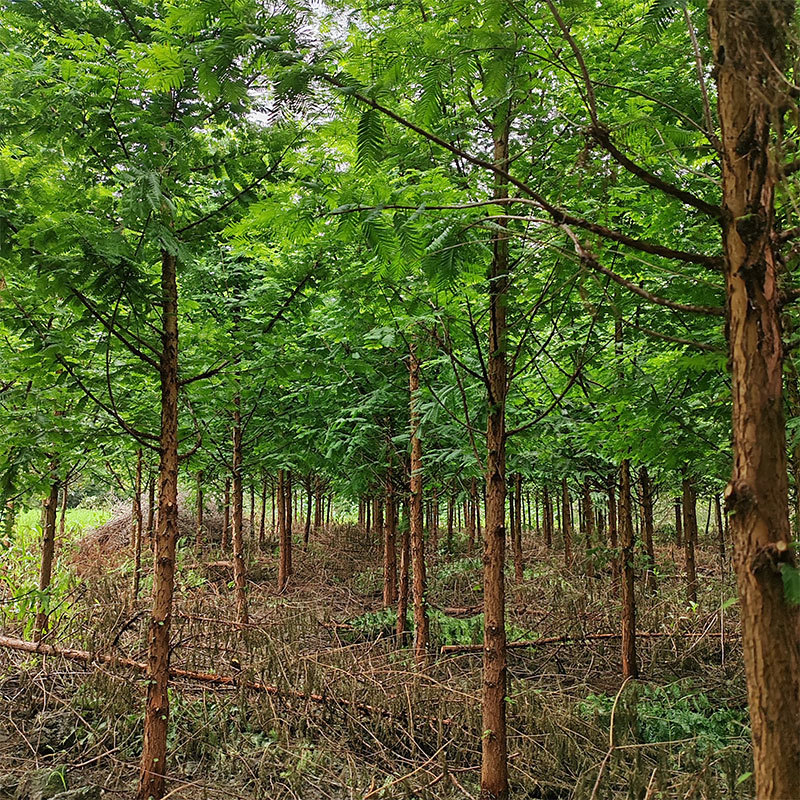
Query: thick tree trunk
[
  {"x": 494, "y": 763},
  {"x": 421, "y": 631},
  {"x": 156, "y": 718},
  {"x": 239, "y": 567},
  {"x": 630, "y": 668},
  {"x": 749, "y": 40},
  {"x": 50, "y": 514},
  {"x": 690, "y": 536}
]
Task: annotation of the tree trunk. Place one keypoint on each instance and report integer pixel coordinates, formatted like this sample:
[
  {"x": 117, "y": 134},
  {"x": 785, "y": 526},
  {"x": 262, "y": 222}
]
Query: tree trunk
[
  {"x": 137, "y": 528},
  {"x": 151, "y": 511},
  {"x": 262, "y": 523},
  {"x": 630, "y": 668},
  {"x": 402, "y": 594},
  {"x": 156, "y": 718},
  {"x": 226, "y": 514},
  {"x": 647, "y": 523},
  {"x": 309, "y": 500},
  {"x": 284, "y": 538},
  {"x": 389, "y": 547},
  {"x": 612, "y": 534},
  {"x": 723, "y": 558},
  {"x": 678, "y": 523},
  {"x": 62, "y": 525},
  {"x": 516, "y": 531},
  {"x": 50, "y": 509},
  {"x": 239, "y": 567},
  {"x": 494, "y": 763},
  {"x": 421, "y": 632},
  {"x": 549, "y": 522},
  {"x": 288, "y": 489},
  {"x": 588, "y": 525},
  {"x": 200, "y": 511},
  {"x": 566, "y": 521},
  {"x": 749, "y": 39},
  {"x": 690, "y": 536}
]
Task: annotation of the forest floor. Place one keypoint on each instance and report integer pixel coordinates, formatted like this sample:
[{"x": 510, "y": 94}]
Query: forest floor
[{"x": 341, "y": 712}]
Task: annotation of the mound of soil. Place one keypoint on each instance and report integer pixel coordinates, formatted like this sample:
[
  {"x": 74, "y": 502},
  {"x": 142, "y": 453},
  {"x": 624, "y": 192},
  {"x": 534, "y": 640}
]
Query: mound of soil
[{"x": 108, "y": 545}]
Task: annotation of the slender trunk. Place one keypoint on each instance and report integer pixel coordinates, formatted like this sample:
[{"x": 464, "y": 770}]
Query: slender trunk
[
  {"x": 262, "y": 523},
  {"x": 549, "y": 522},
  {"x": 516, "y": 531},
  {"x": 284, "y": 538},
  {"x": 647, "y": 523},
  {"x": 239, "y": 567},
  {"x": 389, "y": 547},
  {"x": 330, "y": 504},
  {"x": 402, "y": 594},
  {"x": 494, "y": 763},
  {"x": 588, "y": 525},
  {"x": 252, "y": 513},
  {"x": 566, "y": 521},
  {"x": 421, "y": 632},
  {"x": 137, "y": 528},
  {"x": 678, "y": 523},
  {"x": 307, "y": 528},
  {"x": 62, "y": 525},
  {"x": 749, "y": 40},
  {"x": 630, "y": 668},
  {"x": 226, "y": 514},
  {"x": 50, "y": 509},
  {"x": 450, "y": 516},
  {"x": 200, "y": 510},
  {"x": 151, "y": 511},
  {"x": 612, "y": 534},
  {"x": 690, "y": 536},
  {"x": 156, "y": 718},
  {"x": 288, "y": 488},
  {"x": 723, "y": 558}
]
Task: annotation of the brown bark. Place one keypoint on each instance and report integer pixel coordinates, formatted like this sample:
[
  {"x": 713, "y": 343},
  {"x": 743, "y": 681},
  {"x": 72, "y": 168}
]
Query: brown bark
[
  {"x": 156, "y": 719},
  {"x": 402, "y": 589},
  {"x": 612, "y": 534},
  {"x": 389, "y": 545},
  {"x": 723, "y": 558},
  {"x": 137, "y": 528},
  {"x": 516, "y": 532},
  {"x": 239, "y": 567},
  {"x": 284, "y": 537},
  {"x": 749, "y": 41},
  {"x": 588, "y": 525},
  {"x": 151, "y": 511},
  {"x": 421, "y": 629},
  {"x": 50, "y": 513},
  {"x": 226, "y": 514},
  {"x": 630, "y": 668},
  {"x": 494, "y": 762},
  {"x": 690, "y": 536},
  {"x": 566, "y": 521},
  {"x": 647, "y": 522},
  {"x": 678, "y": 523},
  {"x": 200, "y": 511}
]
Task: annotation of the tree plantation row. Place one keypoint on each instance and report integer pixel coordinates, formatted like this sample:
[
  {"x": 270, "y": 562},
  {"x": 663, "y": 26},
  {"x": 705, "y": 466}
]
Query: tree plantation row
[{"x": 383, "y": 307}]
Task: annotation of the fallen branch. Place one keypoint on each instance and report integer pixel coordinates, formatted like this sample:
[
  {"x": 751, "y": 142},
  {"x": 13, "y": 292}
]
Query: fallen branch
[
  {"x": 202, "y": 677},
  {"x": 591, "y": 637}
]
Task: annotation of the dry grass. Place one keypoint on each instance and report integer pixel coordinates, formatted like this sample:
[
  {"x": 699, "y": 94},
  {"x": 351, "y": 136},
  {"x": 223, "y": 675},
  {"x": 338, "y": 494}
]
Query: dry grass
[{"x": 423, "y": 739}]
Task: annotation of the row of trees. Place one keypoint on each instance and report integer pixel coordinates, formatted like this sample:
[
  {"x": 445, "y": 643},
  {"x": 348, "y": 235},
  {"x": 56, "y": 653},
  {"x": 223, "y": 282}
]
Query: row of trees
[{"x": 407, "y": 249}]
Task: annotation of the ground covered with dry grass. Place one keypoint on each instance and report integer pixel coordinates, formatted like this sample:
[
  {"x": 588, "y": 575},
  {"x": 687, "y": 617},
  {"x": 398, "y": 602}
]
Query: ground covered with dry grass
[{"x": 326, "y": 705}]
